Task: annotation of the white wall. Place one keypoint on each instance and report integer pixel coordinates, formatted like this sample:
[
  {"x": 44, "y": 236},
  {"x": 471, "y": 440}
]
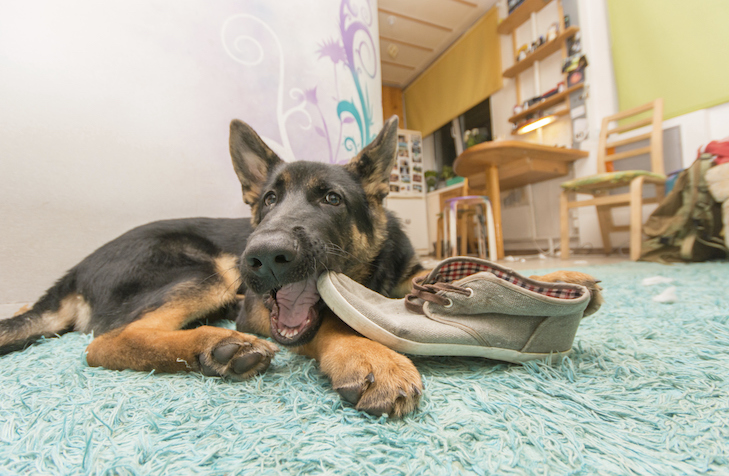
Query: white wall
[{"x": 116, "y": 113}]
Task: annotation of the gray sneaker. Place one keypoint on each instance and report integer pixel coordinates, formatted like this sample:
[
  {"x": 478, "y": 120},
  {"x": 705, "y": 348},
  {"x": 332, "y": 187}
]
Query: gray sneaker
[{"x": 465, "y": 306}]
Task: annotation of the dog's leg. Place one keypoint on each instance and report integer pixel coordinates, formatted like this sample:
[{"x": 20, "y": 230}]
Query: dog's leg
[
  {"x": 155, "y": 341},
  {"x": 365, "y": 373},
  {"x": 576, "y": 277}
]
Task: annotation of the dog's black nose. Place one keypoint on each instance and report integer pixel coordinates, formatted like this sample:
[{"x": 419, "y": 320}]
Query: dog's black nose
[{"x": 270, "y": 257}]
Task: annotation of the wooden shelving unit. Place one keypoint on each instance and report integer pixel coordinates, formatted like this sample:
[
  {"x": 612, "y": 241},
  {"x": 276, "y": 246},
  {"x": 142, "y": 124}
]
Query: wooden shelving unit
[
  {"x": 541, "y": 52},
  {"x": 524, "y": 13},
  {"x": 547, "y": 103},
  {"x": 520, "y": 15}
]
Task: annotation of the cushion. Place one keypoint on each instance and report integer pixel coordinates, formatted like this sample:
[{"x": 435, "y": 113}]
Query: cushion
[{"x": 610, "y": 179}]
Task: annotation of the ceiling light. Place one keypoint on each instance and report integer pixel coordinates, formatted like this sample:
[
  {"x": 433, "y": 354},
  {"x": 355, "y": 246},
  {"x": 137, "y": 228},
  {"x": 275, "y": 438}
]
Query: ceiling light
[{"x": 392, "y": 50}]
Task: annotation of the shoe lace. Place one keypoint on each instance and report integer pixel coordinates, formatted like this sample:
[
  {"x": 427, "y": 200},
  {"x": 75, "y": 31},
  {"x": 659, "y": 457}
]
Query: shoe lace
[{"x": 428, "y": 292}]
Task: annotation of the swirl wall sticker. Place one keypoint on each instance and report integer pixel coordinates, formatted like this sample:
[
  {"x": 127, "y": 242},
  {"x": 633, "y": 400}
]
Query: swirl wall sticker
[{"x": 321, "y": 96}]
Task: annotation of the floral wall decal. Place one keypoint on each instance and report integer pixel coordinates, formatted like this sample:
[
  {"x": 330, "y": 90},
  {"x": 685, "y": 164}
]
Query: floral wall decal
[{"x": 314, "y": 72}]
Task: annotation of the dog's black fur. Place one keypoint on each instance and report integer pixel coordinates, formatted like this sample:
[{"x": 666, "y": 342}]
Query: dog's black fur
[
  {"x": 132, "y": 274},
  {"x": 161, "y": 277}
]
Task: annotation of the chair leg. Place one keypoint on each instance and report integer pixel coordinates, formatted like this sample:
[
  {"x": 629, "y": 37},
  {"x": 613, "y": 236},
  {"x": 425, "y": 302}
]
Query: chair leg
[
  {"x": 439, "y": 240},
  {"x": 636, "y": 217},
  {"x": 446, "y": 230},
  {"x": 491, "y": 231},
  {"x": 564, "y": 225},
  {"x": 605, "y": 219},
  {"x": 472, "y": 229},
  {"x": 480, "y": 220},
  {"x": 452, "y": 229},
  {"x": 462, "y": 245}
]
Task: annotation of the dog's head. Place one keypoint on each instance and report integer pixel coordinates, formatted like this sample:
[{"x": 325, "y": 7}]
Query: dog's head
[{"x": 309, "y": 217}]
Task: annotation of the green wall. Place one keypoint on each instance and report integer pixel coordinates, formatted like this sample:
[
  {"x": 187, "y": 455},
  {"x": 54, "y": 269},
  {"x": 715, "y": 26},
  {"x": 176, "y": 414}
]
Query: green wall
[{"x": 675, "y": 49}]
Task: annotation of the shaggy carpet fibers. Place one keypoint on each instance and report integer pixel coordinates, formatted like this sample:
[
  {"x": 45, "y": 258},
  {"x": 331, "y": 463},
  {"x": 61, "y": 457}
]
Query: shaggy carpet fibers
[{"x": 646, "y": 391}]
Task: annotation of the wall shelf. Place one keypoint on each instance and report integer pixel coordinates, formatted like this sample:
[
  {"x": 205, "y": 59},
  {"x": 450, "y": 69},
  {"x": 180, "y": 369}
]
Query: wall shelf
[
  {"x": 541, "y": 52},
  {"x": 534, "y": 115},
  {"x": 549, "y": 102},
  {"x": 561, "y": 112},
  {"x": 520, "y": 15}
]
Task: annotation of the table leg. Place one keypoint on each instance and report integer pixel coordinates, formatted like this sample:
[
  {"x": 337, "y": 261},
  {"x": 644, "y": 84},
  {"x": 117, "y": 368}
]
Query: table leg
[{"x": 494, "y": 193}]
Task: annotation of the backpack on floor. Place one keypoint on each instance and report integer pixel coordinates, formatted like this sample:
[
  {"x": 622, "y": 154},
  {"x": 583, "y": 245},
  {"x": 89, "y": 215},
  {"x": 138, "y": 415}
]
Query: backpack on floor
[{"x": 687, "y": 225}]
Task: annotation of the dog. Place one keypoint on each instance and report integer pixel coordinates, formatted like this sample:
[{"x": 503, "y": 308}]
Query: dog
[{"x": 143, "y": 293}]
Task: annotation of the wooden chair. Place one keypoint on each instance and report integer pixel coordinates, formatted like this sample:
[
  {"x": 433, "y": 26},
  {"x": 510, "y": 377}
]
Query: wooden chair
[{"x": 606, "y": 180}]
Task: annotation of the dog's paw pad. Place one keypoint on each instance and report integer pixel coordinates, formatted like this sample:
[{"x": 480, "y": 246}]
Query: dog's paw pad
[
  {"x": 237, "y": 359},
  {"x": 223, "y": 353},
  {"x": 246, "y": 362},
  {"x": 350, "y": 394},
  {"x": 353, "y": 392},
  {"x": 207, "y": 370}
]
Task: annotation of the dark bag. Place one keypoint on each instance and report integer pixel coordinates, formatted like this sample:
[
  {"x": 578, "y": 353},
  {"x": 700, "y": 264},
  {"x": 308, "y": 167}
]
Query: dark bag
[{"x": 686, "y": 226}]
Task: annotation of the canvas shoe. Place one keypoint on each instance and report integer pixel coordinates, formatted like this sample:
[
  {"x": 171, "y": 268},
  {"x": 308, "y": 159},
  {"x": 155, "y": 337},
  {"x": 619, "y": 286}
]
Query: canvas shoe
[{"x": 465, "y": 306}]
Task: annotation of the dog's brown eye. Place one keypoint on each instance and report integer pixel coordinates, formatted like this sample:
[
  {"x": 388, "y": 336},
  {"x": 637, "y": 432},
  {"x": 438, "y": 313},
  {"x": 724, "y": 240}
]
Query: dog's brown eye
[
  {"x": 333, "y": 198},
  {"x": 269, "y": 199}
]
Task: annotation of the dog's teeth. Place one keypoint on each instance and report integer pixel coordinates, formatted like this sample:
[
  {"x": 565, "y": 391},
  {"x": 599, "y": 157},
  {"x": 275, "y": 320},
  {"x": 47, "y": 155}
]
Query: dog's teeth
[{"x": 288, "y": 332}]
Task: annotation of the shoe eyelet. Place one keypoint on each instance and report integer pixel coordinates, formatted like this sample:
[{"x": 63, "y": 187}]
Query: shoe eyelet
[
  {"x": 450, "y": 303},
  {"x": 470, "y": 293}
]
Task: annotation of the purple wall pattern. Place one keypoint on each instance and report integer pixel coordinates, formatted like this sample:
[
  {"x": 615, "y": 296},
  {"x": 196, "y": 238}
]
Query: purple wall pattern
[{"x": 310, "y": 72}]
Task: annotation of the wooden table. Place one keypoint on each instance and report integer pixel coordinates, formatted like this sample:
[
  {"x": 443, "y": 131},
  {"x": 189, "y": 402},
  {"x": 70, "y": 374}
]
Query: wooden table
[{"x": 511, "y": 164}]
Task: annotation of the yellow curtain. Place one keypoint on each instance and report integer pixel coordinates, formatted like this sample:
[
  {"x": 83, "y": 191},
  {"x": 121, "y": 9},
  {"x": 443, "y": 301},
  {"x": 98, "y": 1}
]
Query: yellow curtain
[
  {"x": 466, "y": 74},
  {"x": 673, "y": 49}
]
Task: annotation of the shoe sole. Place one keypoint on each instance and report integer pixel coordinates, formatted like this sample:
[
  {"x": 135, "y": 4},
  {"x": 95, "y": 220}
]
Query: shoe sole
[{"x": 357, "y": 321}]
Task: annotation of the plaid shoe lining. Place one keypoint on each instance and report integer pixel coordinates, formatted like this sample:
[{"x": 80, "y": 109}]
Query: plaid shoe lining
[{"x": 460, "y": 269}]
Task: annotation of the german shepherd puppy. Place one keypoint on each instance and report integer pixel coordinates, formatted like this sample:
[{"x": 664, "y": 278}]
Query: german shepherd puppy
[{"x": 141, "y": 293}]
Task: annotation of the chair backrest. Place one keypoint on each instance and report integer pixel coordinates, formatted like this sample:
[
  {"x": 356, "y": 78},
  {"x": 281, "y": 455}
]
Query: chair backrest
[{"x": 610, "y": 137}]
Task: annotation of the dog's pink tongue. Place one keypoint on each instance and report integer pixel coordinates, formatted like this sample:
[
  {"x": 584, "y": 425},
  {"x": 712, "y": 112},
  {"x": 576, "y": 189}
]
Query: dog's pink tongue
[{"x": 295, "y": 300}]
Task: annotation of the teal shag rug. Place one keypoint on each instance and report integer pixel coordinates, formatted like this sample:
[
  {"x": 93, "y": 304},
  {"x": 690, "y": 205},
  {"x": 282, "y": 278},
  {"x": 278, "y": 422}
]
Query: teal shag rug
[{"x": 645, "y": 391}]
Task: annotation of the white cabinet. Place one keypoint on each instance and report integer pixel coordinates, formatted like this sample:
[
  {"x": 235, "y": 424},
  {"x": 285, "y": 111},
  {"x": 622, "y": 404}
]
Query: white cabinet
[{"x": 413, "y": 215}]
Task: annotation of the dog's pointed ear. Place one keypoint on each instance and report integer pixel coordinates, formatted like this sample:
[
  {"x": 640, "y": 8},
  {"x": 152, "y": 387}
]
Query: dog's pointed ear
[
  {"x": 252, "y": 159},
  {"x": 375, "y": 162}
]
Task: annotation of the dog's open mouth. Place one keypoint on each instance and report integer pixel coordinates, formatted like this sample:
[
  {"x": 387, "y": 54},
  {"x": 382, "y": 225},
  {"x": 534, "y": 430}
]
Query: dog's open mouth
[{"x": 295, "y": 312}]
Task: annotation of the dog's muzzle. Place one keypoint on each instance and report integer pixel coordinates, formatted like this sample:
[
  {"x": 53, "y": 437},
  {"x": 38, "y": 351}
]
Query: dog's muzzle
[{"x": 284, "y": 267}]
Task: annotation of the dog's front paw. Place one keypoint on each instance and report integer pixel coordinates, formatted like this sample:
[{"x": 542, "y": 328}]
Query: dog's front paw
[
  {"x": 237, "y": 357},
  {"x": 375, "y": 379},
  {"x": 575, "y": 277}
]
